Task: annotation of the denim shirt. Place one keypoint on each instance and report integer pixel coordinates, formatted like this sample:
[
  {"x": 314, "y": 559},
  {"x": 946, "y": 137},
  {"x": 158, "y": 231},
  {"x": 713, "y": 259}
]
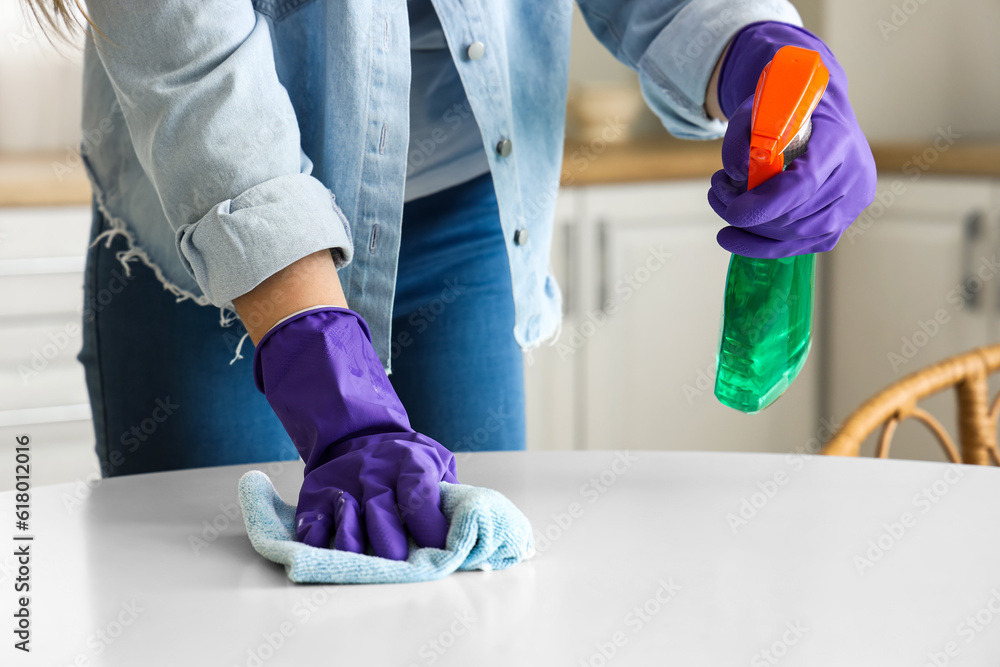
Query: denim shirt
[{"x": 226, "y": 139}]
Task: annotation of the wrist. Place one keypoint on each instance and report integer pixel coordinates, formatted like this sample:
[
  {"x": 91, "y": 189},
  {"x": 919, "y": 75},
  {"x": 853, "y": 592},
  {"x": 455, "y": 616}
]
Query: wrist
[
  {"x": 712, "y": 107},
  {"x": 303, "y": 284},
  {"x": 750, "y": 50},
  {"x": 318, "y": 308}
]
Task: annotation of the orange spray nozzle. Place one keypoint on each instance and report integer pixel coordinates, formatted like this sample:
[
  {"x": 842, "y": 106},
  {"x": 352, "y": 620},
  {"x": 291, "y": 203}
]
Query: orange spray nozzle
[{"x": 788, "y": 91}]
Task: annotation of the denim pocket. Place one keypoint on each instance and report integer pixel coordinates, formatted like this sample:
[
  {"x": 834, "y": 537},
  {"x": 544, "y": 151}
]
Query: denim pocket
[{"x": 278, "y": 9}]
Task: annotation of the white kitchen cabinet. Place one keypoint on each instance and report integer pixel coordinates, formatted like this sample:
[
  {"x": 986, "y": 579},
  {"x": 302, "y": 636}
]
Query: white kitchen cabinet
[
  {"x": 914, "y": 283},
  {"x": 42, "y": 388},
  {"x": 639, "y": 340},
  {"x": 650, "y": 366},
  {"x": 627, "y": 378},
  {"x": 552, "y": 379}
]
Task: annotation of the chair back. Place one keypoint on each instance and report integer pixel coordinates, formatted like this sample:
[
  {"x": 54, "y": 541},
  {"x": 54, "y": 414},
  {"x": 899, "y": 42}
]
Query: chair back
[{"x": 977, "y": 416}]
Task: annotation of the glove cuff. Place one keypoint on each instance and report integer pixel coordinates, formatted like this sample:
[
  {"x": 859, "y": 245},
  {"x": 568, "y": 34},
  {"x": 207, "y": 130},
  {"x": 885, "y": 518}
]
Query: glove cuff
[
  {"x": 258, "y": 374},
  {"x": 751, "y": 49}
]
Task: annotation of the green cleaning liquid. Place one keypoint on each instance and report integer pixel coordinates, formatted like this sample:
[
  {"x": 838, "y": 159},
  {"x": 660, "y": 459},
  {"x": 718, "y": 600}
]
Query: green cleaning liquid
[
  {"x": 767, "y": 311},
  {"x": 766, "y": 329}
]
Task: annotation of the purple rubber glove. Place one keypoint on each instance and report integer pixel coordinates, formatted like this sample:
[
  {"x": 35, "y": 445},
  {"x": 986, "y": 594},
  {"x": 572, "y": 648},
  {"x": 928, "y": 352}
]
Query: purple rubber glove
[
  {"x": 807, "y": 207},
  {"x": 368, "y": 473}
]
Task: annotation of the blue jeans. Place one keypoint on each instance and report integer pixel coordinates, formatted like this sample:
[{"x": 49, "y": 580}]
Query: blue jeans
[{"x": 164, "y": 396}]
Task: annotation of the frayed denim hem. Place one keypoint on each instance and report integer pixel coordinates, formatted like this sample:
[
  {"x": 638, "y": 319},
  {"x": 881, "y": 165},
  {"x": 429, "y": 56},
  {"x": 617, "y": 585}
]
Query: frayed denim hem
[{"x": 118, "y": 227}]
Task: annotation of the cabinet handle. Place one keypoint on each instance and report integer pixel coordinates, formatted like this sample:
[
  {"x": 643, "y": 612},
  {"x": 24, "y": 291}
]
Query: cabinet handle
[
  {"x": 991, "y": 269},
  {"x": 972, "y": 231},
  {"x": 568, "y": 285},
  {"x": 603, "y": 264}
]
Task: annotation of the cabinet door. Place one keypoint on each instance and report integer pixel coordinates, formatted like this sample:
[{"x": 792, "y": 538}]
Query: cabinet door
[
  {"x": 650, "y": 364},
  {"x": 912, "y": 288},
  {"x": 43, "y": 392},
  {"x": 992, "y": 250},
  {"x": 991, "y": 303},
  {"x": 551, "y": 390}
]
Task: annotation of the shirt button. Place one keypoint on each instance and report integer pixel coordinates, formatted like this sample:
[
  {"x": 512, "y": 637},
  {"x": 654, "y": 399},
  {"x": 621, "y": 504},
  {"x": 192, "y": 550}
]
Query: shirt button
[
  {"x": 476, "y": 50},
  {"x": 521, "y": 236},
  {"x": 504, "y": 147}
]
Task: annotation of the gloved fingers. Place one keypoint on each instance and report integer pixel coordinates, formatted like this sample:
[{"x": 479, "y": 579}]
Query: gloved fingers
[
  {"x": 313, "y": 527},
  {"x": 740, "y": 242},
  {"x": 831, "y": 209},
  {"x": 316, "y": 514},
  {"x": 736, "y": 142},
  {"x": 382, "y": 521},
  {"x": 419, "y": 497},
  {"x": 808, "y": 177},
  {"x": 421, "y": 508},
  {"x": 446, "y": 461},
  {"x": 441, "y": 458},
  {"x": 723, "y": 191},
  {"x": 828, "y": 220},
  {"x": 349, "y": 532},
  {"x": 808, "y": 221},
  {"x": 451, "y": 474}
]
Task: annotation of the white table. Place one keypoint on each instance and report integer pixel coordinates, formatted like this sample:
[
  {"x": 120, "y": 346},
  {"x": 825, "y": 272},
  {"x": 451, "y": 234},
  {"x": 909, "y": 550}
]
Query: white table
[{"x": 644, "y": 565}]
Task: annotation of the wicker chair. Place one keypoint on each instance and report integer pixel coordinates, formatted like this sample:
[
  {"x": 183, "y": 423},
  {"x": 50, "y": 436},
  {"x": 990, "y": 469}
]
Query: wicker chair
[{"x": 977, "y": 417}]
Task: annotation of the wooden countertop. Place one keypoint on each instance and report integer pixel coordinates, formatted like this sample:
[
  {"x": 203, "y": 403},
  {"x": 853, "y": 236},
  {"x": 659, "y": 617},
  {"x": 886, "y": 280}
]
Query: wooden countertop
[
  {"x": 638, "y": 160},
  {"x": 57, "y": 179},
  {"x": 42, "y": 179}
]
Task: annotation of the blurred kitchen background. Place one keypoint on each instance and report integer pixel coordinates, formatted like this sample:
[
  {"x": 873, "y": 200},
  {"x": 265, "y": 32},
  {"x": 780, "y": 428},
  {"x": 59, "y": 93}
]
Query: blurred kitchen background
[{"x": 913, "y": 284}]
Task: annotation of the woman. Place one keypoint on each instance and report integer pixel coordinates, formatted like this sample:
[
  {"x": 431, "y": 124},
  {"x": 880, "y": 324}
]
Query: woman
[{"x": 283, "y": 160}]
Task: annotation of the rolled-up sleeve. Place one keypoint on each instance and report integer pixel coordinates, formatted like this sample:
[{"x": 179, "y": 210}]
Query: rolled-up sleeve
[
  {"x": 674, "y": 46},
  {"x": 216, "y": 133}
]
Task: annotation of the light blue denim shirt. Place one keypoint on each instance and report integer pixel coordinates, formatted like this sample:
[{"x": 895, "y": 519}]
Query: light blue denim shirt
[{"x": 227, "y": 139}]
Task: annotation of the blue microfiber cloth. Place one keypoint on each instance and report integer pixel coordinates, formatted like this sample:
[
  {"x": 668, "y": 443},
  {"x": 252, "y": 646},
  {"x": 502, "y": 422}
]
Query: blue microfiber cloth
[{"x": 486, "y": 532}]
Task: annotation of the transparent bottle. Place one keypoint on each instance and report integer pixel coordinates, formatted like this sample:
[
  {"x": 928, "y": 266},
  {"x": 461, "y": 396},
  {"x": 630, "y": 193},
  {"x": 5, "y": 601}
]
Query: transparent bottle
[{"x": 767, "y": 313}]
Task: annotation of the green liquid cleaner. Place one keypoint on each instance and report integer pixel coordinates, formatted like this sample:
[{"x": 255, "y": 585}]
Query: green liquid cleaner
[{"x": 766, "y": 329}]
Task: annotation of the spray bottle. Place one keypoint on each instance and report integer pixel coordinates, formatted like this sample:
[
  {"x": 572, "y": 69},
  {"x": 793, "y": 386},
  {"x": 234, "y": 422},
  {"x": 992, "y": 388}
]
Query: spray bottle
[{"x": 767, "y": 312}]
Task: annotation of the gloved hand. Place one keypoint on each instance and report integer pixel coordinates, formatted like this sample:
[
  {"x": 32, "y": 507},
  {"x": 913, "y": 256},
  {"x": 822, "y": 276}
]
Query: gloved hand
[
  {"x": 807, "y": 207},
  {"x": 368, "y": 473}
]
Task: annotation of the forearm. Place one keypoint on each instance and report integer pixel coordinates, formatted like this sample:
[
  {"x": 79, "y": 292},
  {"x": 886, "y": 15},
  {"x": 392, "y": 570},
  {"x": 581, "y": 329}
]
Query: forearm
[
  {"x": 675, "y": 46},
  {"x": 712, "y": 107},
  {"x": 217, "y": 136},
  {"x": 310, "y": 281}
]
